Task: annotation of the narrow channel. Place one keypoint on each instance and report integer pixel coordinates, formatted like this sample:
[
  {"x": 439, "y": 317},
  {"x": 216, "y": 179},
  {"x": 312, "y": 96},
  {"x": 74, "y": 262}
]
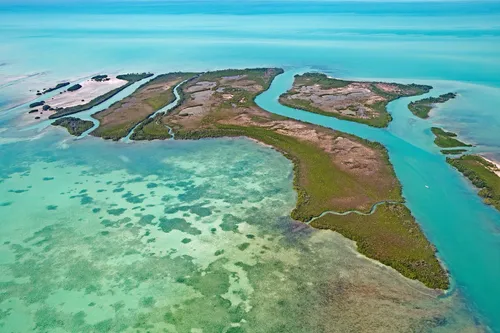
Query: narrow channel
[{"x": 348, "y": 212}]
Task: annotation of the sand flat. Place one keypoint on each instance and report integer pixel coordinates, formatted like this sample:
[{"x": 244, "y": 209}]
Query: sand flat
[{"x": 90, "y": 89}]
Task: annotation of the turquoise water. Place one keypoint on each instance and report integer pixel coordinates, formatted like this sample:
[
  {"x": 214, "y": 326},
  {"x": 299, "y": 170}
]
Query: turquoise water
[{"x": 453, "y": 46}]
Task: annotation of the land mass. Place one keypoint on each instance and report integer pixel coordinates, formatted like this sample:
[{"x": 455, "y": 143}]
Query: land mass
[
  {"x": 421, "y": 108},
  {"x": 483, "y": 174},
  {"x": 453, "y": 151},
  {"x": 359, "y": 101},
  {"x": 120, "y": 118},
  {"x": 75, "y": 126},
  {"x": 446, "y": 139},
  {"x": 333, "y": 171},
  {"x": 75, "y": 87}
]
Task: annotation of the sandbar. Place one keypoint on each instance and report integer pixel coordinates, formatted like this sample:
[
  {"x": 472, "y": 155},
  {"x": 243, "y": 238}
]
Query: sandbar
[{"x": 90, "y": 89}]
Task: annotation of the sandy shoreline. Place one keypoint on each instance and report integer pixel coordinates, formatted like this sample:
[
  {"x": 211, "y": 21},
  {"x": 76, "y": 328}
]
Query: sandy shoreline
[{"x": 497, "y": 164}]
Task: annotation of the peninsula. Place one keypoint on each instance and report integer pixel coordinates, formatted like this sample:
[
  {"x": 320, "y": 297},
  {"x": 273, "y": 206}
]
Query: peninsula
[
  {"x": 333, "y": 171},
  {"x": 359, "y": 101}
]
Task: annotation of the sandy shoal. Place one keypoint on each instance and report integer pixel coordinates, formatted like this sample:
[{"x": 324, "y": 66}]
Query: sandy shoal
[{"x": 90, "y": 89}]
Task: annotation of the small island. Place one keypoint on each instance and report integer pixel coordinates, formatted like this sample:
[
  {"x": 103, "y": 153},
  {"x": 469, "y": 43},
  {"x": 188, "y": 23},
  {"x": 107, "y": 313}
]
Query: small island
[
  {"x": 421, "y": 108},
  {"x": 484, "y": 174},
  {"x": 75, "y": 126},
  {"x": 453, "y": 151},
  {"x": 36, "y": 104},
  {"x": 446, "y": 139},
  {"x": 100, "y": 78},
  {"x": 359, "y": 101},
  {"x": 75, "y": 87},
  {"x": 58, "y": 86}
]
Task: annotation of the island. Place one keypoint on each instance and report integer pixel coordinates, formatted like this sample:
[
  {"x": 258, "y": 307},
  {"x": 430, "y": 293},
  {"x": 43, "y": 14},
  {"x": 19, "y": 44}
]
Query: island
[
  {"x": 58, "y": 86},
  {"x": 446, "y": 139},
  {"x": 100, "y": 78},
  {"x": 453, "y": 151},
  {"x": 421, "y": 108},
  {"x": 484, "y": 174},
  {"x": 36, "y": 104},
  {"x": 334, "y": 172},
  {"x": 75, "y": 126},
  {"x": 75, "y": 87},
  {"x": 360, "y": 101}
]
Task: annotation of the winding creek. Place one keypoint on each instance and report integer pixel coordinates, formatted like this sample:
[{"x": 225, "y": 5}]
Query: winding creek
[
  {"x": 370, "y": 212},
  {"x": 165, "y": 109},
  {"x": 464, "y": 230}
]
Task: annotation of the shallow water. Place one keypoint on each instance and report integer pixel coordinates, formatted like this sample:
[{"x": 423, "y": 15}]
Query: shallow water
[
  {"x": 453, "y": 46},
  {"x": 191, "y": 235}
]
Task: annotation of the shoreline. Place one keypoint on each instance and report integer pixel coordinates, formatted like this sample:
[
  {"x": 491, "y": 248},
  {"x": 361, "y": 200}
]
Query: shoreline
[
  {"x": 483, "y": 174},
  {"x": 497, "y": 164}
]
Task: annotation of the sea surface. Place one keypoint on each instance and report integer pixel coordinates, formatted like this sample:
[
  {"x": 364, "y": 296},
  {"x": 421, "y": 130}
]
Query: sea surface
[{"x": 106, "y": 236}]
